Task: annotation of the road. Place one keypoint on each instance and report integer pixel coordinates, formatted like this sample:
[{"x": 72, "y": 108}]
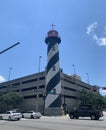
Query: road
[{"x": 54, "y": 123}]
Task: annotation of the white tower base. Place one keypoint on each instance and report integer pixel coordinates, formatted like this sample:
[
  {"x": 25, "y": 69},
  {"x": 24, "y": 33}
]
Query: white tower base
[{"x": 54, "y": 111}]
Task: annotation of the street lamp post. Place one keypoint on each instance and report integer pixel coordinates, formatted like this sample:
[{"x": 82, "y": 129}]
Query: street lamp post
[
  {"x": 39, "y": 63},
  {"x": 87, "y": 77},
  {"x": 9, "y": 73},
  {"x": 44, "y": 96},
  {"x": 74, "y": 69}
]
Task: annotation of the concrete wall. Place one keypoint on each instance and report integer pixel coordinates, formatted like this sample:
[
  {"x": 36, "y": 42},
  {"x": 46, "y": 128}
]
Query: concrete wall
[{"x": 32, "y": 88}]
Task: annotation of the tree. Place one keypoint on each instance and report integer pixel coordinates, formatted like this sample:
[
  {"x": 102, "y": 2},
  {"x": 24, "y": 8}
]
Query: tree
[
  {"x": 84, "y": 97},
  {"x": 95, "y": 99},
  {"x": 11, "y": 100}
]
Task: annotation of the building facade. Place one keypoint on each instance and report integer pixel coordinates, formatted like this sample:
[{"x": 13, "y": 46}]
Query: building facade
[{"x": 32, "y": 88}]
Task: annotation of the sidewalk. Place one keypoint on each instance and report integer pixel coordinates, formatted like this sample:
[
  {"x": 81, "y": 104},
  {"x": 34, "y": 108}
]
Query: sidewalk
[{"x": 56, "y": 117}]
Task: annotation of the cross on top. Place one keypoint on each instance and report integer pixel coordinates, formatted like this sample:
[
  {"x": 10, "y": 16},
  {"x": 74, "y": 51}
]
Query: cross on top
[{"x": 52, "y": 26}]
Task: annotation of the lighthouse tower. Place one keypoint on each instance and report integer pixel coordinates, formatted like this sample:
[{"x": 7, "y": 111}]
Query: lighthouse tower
[{"x": 53, "y": 82}]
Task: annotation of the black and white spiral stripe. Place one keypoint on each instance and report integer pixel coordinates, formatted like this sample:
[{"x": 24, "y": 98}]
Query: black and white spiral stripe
[{"x": 53, "y": 77}]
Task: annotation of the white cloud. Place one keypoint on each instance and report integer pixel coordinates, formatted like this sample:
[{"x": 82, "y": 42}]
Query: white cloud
[
  {"x": 105, "y": 30},
  {"x": 101, "y": 41},
  {"x": 91, "y": 28},
  {"x": 2, "y": 79},
  {"x": 95, "y": 37}
]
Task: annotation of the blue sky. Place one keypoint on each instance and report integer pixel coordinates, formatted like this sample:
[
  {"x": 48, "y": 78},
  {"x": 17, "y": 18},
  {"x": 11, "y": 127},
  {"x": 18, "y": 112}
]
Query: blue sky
[{"x": 81, "y": 25}]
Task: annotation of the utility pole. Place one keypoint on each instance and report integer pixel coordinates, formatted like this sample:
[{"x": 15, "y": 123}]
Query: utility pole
[
  {"x": 39, "y": 63},
  {"x": 9, "y": 73},
  {"x": 9, "y": 47},
  {"x": 87, "y": 77},
  {"x": 74, "y": 69}
]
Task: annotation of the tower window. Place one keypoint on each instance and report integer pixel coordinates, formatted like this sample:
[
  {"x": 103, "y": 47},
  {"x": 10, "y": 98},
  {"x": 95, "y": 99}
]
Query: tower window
[
  {"x": 53, "y": 49},
  {"x": 54, "y": 68}
]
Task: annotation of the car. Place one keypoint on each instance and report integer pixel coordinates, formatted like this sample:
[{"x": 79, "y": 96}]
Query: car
[
  {"x": 31, "y": 114},
  {"x": 86, "y": 111},
  {"x": 11, "y": 115}
]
